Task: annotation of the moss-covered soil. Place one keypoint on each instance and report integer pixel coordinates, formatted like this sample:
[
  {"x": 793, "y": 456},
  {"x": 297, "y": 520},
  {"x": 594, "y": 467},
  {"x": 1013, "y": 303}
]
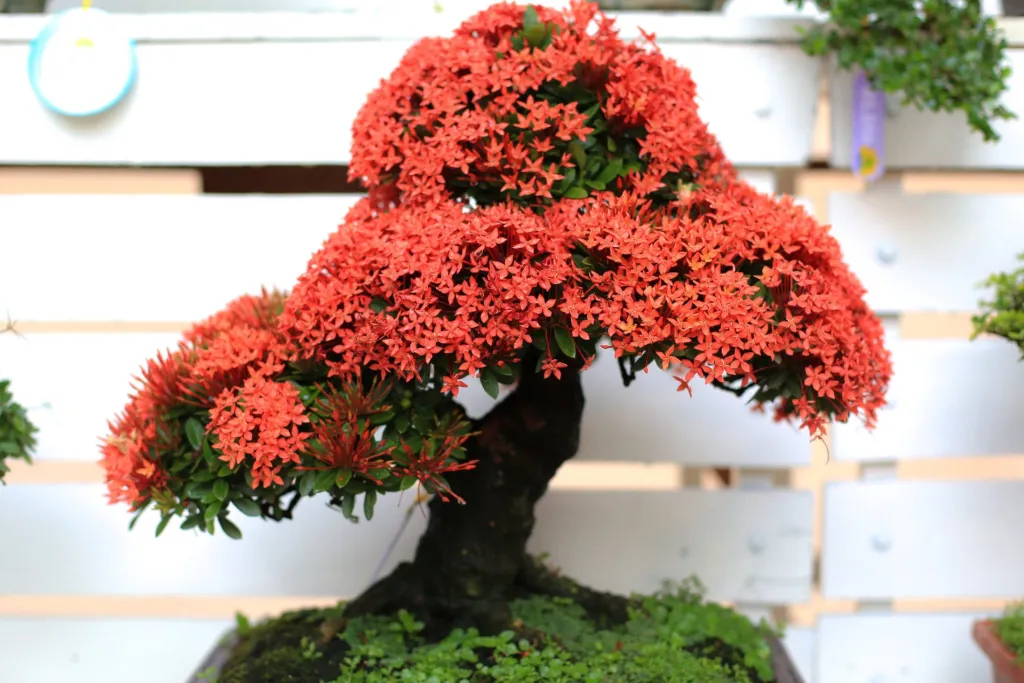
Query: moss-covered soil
[
  {"x": 1010, "y": 629},
  {"x": 674, "y": 637}
]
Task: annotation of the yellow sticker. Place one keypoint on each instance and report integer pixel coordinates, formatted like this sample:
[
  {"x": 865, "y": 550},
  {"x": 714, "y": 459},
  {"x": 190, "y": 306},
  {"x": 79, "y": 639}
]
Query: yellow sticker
[{"x": 868, "y": 160}]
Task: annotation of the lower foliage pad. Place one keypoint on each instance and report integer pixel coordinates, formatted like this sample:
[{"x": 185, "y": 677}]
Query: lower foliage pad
[{"x": 668, "y": 638}]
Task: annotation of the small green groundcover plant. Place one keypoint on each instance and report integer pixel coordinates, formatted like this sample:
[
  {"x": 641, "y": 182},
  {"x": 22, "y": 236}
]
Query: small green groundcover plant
[
  {"x": 671, "y": 636},
  {"x": 1002, "y": 315},
  {"x": 17, "y": 433},
  {"x": 1010, "y": 629}
]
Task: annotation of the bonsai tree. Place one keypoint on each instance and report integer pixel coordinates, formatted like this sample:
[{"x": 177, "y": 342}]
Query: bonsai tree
[
  {"x": 17, "y": 433},
  {"x": 537, "y": 189}
]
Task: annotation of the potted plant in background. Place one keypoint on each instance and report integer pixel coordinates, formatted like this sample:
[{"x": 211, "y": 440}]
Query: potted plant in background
[
  {"x": 17, "y": 433},
  {"x": 1002, "y": 640},
  {"x": 537, "y": 189}
]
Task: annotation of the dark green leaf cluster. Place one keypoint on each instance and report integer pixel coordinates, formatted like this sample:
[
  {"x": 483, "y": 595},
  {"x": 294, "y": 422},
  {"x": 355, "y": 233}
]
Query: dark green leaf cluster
[
  {"x": 17, "y": 433},
  {"x": 1003, "y": 314},
  {"x": 202, "y": 489},
  {"x": 674, "y": 636},
  {"x": 939, "y": 55}
]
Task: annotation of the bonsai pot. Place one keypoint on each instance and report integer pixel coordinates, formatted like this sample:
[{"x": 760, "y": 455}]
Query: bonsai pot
[
  {"x": 1005, "y": 666},
  {"x": 782, "y": 666}
]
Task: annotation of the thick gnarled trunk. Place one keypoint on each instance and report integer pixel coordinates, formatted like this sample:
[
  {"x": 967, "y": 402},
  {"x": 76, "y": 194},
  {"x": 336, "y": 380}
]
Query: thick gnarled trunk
[{"x": 471, "y": 560}]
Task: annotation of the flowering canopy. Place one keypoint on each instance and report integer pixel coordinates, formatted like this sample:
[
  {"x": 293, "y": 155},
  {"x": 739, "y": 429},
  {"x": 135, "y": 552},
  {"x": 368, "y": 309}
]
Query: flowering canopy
[{"x": 534, "y": 181}]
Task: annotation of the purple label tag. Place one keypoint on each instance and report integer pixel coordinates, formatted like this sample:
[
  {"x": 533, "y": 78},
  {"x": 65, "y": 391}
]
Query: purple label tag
[{"x": 868, "y": 129}]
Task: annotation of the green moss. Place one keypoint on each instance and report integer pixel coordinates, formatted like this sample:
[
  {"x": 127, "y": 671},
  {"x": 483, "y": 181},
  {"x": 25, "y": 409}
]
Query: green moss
[
  {"x": 1010, "y": 629},
  {"x": 673, "y": 637}
]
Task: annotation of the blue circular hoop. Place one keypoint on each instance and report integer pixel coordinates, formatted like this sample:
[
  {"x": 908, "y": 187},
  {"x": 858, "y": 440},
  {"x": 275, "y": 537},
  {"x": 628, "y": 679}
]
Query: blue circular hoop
[{"x": 35, "y": 55}]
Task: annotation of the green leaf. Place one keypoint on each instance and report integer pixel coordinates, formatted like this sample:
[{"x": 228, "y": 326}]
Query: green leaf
[
  {"x": 348, "y": 506},
  {"x": 378, "y": 305},
  {"x": 407, "y": 483},
  {"x": 198, "y": 490},
  {"x": 230, "y": 529},
  {"x": 162, "y": 525},
  {"x": 401, "y": 423},
  {"x": 611, "y": 171},
  {"x": 221, "y": 489},
  {"x": 344, "y": 477},
  {"x": 138, "y": 513},
  {"x": 195, "y": 432},
  {"x": 369, "y": 501},
  {"x": 536, "y": 35},
  {"x": 579, "y": 154},
  {"x": 565, "y": 342},
  {"x": 191, "y": 522},
  {"x": 576, "y": 192},
  {"x": 212, "y": 511},
  {"x": 530, "y": 18},
  {"x": 307, "y": 482},
  {"x": 378, "y": 419},
  {"x": 325, "y": 480},
  {"x": 489, "y": 382},
  {"x": 247, "y": 506}
]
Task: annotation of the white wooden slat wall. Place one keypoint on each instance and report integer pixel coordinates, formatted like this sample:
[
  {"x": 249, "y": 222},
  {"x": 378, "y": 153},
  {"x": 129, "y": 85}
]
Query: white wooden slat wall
[
  {"x": 902, "y": 541},
  {"x": 760, "y": 98}
]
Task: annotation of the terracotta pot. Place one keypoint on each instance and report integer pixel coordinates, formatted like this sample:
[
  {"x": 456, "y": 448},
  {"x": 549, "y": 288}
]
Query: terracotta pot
[
  {"x": 783, "y": 667},
  {"x": 1005, "y": 666}
]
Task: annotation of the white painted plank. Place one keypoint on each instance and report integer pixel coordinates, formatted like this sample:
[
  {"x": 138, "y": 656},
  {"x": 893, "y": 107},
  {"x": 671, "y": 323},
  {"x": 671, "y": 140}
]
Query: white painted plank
[
  {"x": 153, "y": 6},
  {"x": 911, "y": 135},
  {"x": 762, "y": 180},
  {"x": 801, "y": 644},
  {"x": 381, "y": 22},
  {"x": 652, "y": 420},
  {"x": 926, "y": 252},
  {"x": 746, "y": 546},
  {"x": 105, "y": 650},
  {"x": 760, "y": 100},
  {"x": 903, "y": 648},
  {"x": 948, "y": 398},
  {"x": 72, "y": 384},
  {"x": 647, "y": 421},
  {"x": 154, "y": 257},
  {"x": 65, "y": 539},
  {"x": 293, "y": 102},
  {"x": 905, "y": 539},
  {"x": 208, "y": 104}
]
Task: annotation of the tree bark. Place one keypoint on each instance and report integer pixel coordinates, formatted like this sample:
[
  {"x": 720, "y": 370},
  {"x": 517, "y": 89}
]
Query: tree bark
[{"x": 471, "y": 561}]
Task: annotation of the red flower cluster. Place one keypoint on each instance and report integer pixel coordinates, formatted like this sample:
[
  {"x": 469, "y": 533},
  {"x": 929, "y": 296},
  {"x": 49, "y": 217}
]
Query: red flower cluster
[
  {"x": 217, "y": 357},
  {"x": 486, "y": 107},
  {"x": 533, "y": 180}
]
